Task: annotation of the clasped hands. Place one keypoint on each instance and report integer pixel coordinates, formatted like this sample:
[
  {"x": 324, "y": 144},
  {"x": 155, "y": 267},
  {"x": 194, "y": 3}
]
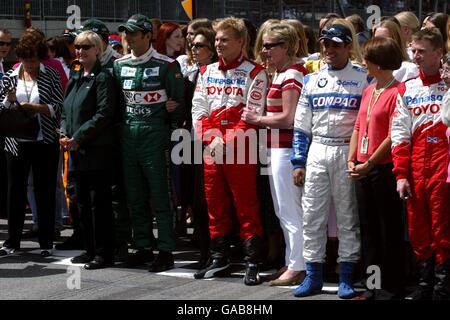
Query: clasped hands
[
  {"x": 69, "y": 144},
  {"x": 217, "y": 148}
]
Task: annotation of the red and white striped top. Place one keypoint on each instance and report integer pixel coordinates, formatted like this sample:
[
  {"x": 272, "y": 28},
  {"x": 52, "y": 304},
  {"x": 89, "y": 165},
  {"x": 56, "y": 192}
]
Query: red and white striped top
[{"x": 290, "y": 78}]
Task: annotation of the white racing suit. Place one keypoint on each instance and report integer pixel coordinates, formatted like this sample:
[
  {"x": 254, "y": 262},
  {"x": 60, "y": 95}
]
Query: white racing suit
[{"x": 324, "y": 121}]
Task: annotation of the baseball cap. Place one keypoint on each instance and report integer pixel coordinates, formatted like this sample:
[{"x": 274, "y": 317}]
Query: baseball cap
[
  {"x": 69, "y": 35},
  {"x": 337, "y": 33},
  {"x": 137, "y": 22},
  {"x": 96, "y": 26}
]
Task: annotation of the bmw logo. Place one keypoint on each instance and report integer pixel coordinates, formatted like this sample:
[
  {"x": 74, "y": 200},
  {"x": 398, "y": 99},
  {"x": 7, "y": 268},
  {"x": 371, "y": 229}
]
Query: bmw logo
[{"x": 322, "y": 82}]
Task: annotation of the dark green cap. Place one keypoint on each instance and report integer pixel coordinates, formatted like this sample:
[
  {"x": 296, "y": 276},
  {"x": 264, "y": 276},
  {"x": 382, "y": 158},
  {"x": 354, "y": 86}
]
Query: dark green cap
[
  {"x": 96, "y": 26},
  {"x": 137, "y": 22}
]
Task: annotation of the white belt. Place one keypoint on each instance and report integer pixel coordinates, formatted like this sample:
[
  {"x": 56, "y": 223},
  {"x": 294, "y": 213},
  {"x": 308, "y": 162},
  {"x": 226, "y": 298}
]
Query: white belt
[
  {"x": 331, "y": 141},
  {"x": 145, "y": 97}
]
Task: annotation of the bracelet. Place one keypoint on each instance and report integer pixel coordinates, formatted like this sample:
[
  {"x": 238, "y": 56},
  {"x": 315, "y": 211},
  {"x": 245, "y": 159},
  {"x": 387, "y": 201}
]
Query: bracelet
[{"x": 353, "y": 161}]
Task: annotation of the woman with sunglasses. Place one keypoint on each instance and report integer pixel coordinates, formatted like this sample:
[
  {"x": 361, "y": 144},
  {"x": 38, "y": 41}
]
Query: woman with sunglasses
[
  {"x": 280, "y": 46},
  {"x": 87, "y": 132},
  {"x": 202, "y": 53}
]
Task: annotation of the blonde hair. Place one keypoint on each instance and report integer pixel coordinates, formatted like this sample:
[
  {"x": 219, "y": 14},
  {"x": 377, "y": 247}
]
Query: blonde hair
[
  {"x": 93, "y": 39},
  {"x": 396, "y": 35},
  {"x": 448, "y": 34},
  {"x": 286, "y": 33},
  {"x": 355, "y": 52},
  {"x": 259, "y": 58},
  {"x": 408, "y": 19},
  {"x": 302, "y": 50},
  {"x": 236, "y": 24}
]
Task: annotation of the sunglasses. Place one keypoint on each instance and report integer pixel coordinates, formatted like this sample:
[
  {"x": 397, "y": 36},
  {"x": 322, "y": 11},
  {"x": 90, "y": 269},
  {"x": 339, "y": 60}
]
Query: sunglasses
[
  {"x": 83, "y": 46},
  {"x": 445, "y": 72},
  {"x": 4, "y": 43},
  {"x": 269, "y": 46},
  {"x": 198, "y": 45}
]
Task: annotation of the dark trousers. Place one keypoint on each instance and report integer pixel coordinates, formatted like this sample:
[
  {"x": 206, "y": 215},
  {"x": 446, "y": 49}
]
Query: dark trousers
[
  {"x": 3, "y": 181},
  {"x": 93, "y": 191},
  {"x": 43, "y": 159},
  {"x": 382, "y": 226}
]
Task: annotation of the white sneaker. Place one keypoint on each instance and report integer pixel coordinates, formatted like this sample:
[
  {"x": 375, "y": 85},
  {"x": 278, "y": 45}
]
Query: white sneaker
[{"x": 5, "y": 251}]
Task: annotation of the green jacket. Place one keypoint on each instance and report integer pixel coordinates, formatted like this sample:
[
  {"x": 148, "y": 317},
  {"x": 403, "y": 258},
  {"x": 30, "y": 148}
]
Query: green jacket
[
  {"x": 148, "y": 82},
  {"x": 88, "y": 112}
]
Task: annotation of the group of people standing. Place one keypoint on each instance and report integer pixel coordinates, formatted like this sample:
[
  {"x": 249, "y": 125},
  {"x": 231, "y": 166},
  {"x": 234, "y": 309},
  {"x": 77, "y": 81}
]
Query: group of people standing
[{"x": 355, "y": 134}]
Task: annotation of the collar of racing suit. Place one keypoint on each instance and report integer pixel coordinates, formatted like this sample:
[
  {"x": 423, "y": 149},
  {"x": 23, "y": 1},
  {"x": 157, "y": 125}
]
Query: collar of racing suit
[
  {"x": 143, "y": 58},
  {"x": 331, "y": 68},
  {"x": 234, "y": 64},
  {"x": 429, "y": 80}
]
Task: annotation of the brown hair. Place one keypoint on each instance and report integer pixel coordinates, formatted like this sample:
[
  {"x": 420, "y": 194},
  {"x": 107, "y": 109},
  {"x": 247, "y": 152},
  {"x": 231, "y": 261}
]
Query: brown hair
[
  {"x": 384, "y": 52},
  {"x": 210, "y": 36},
  {"x": 432, "y": 35},
  {"x": 32, "y": 44},
  {"x": 396, "y": 35},
  {"x": 357, "y": 22},
  {"x": 439, "y": 20}
]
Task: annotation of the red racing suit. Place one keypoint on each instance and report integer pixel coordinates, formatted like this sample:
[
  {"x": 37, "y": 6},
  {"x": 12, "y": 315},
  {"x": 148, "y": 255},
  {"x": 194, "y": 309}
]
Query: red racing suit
[
  {"x": 220, "y": 96},
  {"x": 420, "y": 154}
]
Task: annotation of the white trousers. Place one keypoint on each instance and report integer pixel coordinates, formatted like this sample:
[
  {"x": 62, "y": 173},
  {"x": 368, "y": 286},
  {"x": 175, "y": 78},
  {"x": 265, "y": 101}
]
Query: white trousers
[
  {"x": 327, "y": 179},
  {"x": 287, "y": 204}
]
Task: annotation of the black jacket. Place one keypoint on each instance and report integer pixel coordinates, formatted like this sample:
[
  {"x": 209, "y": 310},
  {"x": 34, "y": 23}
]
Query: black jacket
[{"x": 88, "y": 113}]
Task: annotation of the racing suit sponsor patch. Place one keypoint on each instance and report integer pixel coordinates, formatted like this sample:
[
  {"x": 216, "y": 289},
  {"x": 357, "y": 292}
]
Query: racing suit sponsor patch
[
  {"x": 151, "y": 72},
  {"x": 142, "y": 111},
  {"x": 127, "y": 84},
  {"x": 145, "y": 97},
  {"x": 128, "y": 72}
]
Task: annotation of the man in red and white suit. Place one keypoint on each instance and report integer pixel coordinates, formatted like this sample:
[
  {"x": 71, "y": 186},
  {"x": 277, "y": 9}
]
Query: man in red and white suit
[
  {"x": 223, "y": 90},
  {"x": 420, "y": 154}
]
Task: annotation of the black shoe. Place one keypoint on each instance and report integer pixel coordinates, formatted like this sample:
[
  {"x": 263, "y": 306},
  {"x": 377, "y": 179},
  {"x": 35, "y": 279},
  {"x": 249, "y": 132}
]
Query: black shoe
[
  {"x": 46, "y": 253},
  {"x": 73, "y": 243},
  {"x": 251, "y": 277},
  {"x": 83, "y": 258},
  {"x": 121, "y": 252},
  {"x": 98, "y": 263},
  {"x": 213, "y": 268},
  {"x": 139, "y": 258},
  {"x": 163, "y": 262}
]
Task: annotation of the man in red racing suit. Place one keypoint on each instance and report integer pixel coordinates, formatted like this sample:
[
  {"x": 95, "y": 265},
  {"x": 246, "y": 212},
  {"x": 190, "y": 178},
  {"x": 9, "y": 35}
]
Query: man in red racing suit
[
  {"x": 223, "y": 90},
  {"x": 420, "y": 154}
]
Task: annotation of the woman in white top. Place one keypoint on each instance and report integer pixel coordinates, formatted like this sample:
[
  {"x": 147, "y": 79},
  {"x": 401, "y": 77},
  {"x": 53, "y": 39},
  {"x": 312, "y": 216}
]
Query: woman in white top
[{"x": 279, "y": 46}]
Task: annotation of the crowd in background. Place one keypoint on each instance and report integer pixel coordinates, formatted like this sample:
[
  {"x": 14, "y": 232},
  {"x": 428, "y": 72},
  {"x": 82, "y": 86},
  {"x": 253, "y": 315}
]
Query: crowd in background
[{"x": 358, "y": 172}]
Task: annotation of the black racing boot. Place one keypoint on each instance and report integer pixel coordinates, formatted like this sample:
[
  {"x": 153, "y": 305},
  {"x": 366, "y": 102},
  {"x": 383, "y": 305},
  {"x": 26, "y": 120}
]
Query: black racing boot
[
  {"x": 164, "y": 261},
  {"x": 252, "y": 249},
  {"x": 219, "y": 262},
  {"x": 441, "y": 290},
  {"x": 426, "y": 281}
]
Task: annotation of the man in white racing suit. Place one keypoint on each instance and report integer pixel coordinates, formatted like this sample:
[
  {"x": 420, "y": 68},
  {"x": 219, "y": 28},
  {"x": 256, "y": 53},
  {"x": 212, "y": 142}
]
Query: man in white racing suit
[{"x": 324, "y": 120}]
